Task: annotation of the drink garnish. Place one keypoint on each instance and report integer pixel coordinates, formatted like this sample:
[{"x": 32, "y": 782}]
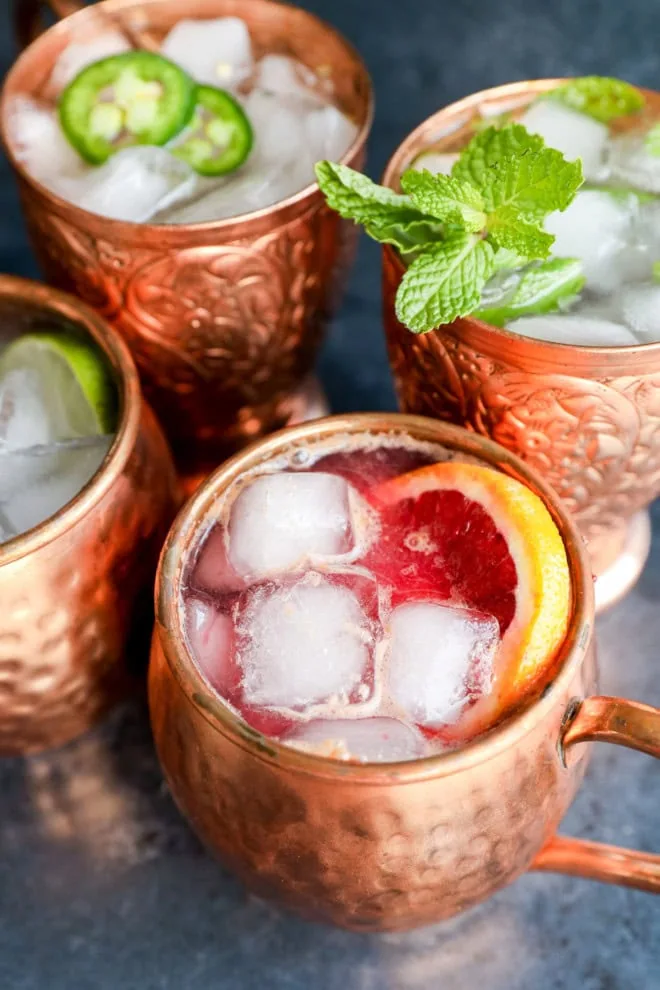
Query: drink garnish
[
  {"x": 600, "y": 97},
  {"x": 137, "y": 97},
  {"x": 504, "y": 184},
  {"x": 219, "y": 137},
  {"x": 80, "y": 390}
]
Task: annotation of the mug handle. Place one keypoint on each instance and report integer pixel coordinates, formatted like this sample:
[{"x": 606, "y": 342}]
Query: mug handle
[
  {"x": 29, "y": 22},
  {"x": 29, "y": 17},
  {"x": 624, "y": 723}
]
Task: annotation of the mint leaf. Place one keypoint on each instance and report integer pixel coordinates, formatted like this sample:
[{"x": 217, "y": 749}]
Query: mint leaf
[
  {"x": 506, "y": 259},
  {"x": 444, "y": 282},
  {"x": 540, "y": 288},
  {"x": 386, "y": 215},
  {"x": 448, "y": 199},
  {"x": 407, "y": 236},
  {"x": 652, "y": 140},
  {"x": 535, "y": 183},
  {"x": 600, "y": 97},
  {"x": 507, "y": 229},
  {"x": 491, "y": 147}
]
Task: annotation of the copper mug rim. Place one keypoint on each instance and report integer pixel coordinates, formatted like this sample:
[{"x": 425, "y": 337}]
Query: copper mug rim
[
  {"x": 115, "y": 350},
  {"x": 539, "y": 353},
  {"x": 227, "y": 225},
  {"x": 185, "y": 530}
]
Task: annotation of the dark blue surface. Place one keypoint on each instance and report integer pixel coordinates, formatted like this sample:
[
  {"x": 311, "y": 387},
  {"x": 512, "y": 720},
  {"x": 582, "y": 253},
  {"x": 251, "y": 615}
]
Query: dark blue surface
[{"x": 102, "y": 886}]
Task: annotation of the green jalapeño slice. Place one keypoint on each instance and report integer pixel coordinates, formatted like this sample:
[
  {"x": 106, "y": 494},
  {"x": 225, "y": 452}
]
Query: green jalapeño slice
[
  {"x": 219, "y": 137},
  {"x": 133, "y": 98}
]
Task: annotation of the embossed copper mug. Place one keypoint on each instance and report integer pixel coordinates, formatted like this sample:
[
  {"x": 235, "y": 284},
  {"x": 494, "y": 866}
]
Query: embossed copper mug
[
  {"x": 75, "y": 590},
  {"x": 587, "y": 418},
  {"x": 377, "y": 847},
  {"x": 224, "y": 318}
]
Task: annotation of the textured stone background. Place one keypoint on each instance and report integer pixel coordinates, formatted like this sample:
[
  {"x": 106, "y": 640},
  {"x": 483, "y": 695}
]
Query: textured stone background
[{"x": 102, "y": 886}]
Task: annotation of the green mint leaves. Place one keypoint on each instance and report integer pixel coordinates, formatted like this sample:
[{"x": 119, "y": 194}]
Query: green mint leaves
[
  {"x": 539, "y": 288},
  {"x": 600, "y": 97},
  {"x": 444, "y": 282},
  {"x": 452, "y": 200},
  {"x": 457, "y": 230},
  {"x": 385, "y": 215}
]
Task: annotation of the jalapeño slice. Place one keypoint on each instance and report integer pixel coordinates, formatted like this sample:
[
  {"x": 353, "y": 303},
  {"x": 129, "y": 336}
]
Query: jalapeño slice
[
  {"x": 134, "y": 98},
  {"x": 219, "y": 137}
]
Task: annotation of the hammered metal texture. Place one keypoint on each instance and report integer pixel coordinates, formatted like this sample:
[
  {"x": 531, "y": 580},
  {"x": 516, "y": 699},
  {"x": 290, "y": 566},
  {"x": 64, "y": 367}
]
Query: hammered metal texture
[
  {"x": 594, "y": 437},
  {"x": 224, "y": 319},
  {"x": 74, "y": 606},
  {"x": 372, "y": 857},
  {"x": 588, "y": 419},
  {"x": 371, "y": 849}
]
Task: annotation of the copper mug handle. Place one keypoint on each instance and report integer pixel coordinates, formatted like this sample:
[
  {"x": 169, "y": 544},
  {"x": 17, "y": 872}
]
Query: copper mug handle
[
  {"x": 625, "y": 723},
  {"x": 29, "y": 23}
]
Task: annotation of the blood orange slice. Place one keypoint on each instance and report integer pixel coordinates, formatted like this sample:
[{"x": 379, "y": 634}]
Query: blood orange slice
[{"x": 469, "y": 533}]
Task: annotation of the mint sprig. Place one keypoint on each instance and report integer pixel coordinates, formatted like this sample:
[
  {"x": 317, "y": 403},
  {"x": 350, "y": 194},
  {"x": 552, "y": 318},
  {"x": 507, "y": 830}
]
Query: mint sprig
[
  {"x": 600, "y": 97},
  {"x": 457, "y": 230}
]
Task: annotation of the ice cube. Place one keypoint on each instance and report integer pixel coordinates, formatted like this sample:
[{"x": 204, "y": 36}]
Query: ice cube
[
  {"x": 133, "y": 185},
  {"x": 574, "y": 134},
  {"x": 216, "y": 51},
  {"x": 280, "y": 164},
  {"x": 279, "y": 521},
  {"x": 40, "y": 144},
  {"x": 584, "y": 331},
  {"x": 26, "y": 418},
  {"x": 438, "y": 658},
  {"x": 210, "y": 634},
  {"x": 37, "y": 482},
  {"x": 212, "y": 571},
  {"x": 287, "y": 77},
  {"x": 640, "y": 309},
  {"x": 279, "y": 128},
  {"x": 369, "y": 740},
  {"x": 331, "y": 133},
  {"x": 78, "y": 55},
  {"x": 303, "y": 644},
  {"x": 630, "y": 161},
  {"x": 596, "y": 228},
  {"x": 436, "y": 162}
]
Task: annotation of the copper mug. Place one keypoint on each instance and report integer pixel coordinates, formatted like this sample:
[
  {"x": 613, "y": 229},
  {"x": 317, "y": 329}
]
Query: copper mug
[
  {"x": 384, "y": 847},
  {"x": 586, "y": 418},
  {"x": 224, "y": 318},
  {"x": 74, "y": 591}
]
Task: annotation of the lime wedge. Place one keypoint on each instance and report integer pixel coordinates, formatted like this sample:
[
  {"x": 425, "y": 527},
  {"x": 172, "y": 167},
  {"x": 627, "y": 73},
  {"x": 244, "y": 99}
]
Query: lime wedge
[{"x": 76, "y": 387}]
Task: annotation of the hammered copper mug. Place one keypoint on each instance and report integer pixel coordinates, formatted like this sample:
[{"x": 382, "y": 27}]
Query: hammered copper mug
[
  {"x": 224, "y": 318},
  {"x": 73, "y": 590},
  {"x": 389, "y": 846},
  {"x": 587, "y": 418}
]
